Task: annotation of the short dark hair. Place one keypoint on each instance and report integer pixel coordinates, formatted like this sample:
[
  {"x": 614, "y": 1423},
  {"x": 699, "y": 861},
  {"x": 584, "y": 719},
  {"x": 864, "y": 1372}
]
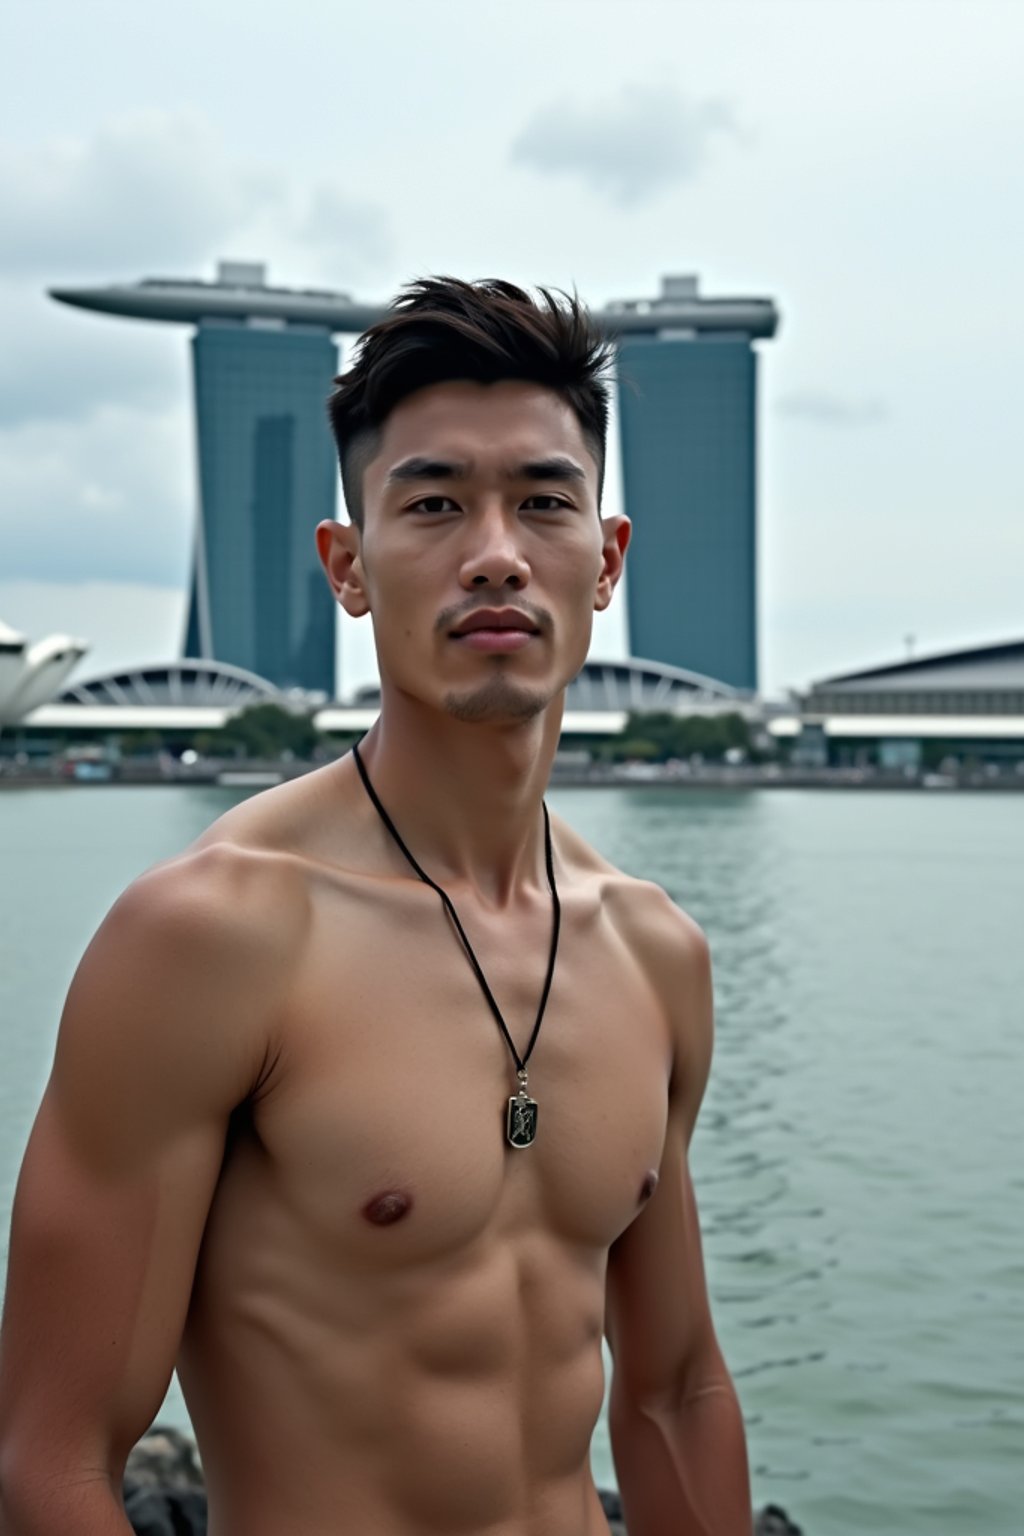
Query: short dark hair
[{"x": 441, "y": 328}]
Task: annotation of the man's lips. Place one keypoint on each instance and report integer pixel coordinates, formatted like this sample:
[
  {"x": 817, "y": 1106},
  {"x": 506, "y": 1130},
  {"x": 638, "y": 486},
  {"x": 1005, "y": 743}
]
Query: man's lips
[
  {"x": 496, "y": 629},
  {"x": 495, "y": 618}
]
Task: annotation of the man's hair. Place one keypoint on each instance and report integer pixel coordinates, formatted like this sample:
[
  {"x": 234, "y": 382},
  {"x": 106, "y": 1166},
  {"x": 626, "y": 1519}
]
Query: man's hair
[{"x": 441, "y": 328}]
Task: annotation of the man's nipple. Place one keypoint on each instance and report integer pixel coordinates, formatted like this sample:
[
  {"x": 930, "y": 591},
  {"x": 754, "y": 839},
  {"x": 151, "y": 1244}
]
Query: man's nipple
[
  {"x": 388, "y": 1207},
  {"x": 648, "y": 1186}
]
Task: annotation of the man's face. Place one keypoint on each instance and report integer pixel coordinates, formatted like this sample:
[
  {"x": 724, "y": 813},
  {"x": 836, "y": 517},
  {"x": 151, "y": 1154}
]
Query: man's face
[{"x": 482, "y": 557}]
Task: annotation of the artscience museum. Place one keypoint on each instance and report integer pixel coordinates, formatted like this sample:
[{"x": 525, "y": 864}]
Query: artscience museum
[{"x": 31, "y": 674}]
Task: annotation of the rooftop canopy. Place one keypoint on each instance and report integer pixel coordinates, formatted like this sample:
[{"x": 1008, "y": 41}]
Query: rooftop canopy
[
  {"x": 189, "y": 682},
  {"x": 982, "y": 666},
  {"x": 241, "y": 293}
]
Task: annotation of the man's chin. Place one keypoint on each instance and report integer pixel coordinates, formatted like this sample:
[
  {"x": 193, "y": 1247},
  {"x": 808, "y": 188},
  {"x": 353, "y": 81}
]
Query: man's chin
[{"x": 498, "y": 701}]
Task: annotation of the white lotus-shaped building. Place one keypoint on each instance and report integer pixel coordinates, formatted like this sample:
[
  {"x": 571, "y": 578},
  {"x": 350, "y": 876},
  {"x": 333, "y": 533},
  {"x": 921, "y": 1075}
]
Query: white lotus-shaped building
[{"x": 31, "y": 674}]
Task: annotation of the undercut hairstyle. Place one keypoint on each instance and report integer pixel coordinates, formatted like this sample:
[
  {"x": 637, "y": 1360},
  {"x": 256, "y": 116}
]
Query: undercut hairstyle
[{"x": 441, "y": 329}]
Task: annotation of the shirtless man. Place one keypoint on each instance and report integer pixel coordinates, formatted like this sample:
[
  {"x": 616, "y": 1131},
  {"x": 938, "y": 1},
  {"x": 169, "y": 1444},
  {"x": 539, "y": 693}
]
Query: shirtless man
[{"x": 274, "y": 1146}]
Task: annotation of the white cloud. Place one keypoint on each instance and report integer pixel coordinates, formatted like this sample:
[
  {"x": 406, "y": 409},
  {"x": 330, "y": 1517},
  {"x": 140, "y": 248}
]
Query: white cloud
[
  {"x": 158, "y": 194},
  {"x": 59, "y": 365},
  {"x": 153, "y": 187},
  {"x": 110, "y": 496},
  {"x": 629, "y": 149},
  {"x": 339, "y": 225}
]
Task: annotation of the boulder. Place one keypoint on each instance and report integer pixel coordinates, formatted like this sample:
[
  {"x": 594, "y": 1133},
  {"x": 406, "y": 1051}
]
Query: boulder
[
  {"x": 612, "y": 1506},
  {"x": 165, "y": 1458},
  {"x": 165, "y": 1511},
  {"x": 163, "y": 1486},
  {"x": 773, "y": 1521}
]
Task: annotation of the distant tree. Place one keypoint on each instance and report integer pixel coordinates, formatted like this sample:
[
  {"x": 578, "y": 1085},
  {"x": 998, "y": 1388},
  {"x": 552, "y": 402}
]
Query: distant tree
[
  {"x": 142, "y": 743},
  {"x": 267, "y": 731},
  {"x": 706, "y": 736},
  {"x": 637, "y": 749}
]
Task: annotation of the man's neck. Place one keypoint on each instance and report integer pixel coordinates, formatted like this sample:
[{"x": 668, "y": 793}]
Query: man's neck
[{"x": 466, "y": 798}]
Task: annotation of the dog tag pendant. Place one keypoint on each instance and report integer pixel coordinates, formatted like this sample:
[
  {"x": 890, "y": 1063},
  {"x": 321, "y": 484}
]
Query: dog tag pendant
[{"x": 521, "y": 1124}]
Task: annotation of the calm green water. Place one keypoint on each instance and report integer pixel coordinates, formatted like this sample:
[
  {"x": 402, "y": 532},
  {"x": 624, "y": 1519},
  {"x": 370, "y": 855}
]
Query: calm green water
[{"x": 858, "y": 1161}]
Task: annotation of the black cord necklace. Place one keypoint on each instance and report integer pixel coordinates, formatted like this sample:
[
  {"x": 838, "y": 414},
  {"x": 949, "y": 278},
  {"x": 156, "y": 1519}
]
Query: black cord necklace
[{"x": 521, "y": 1117}]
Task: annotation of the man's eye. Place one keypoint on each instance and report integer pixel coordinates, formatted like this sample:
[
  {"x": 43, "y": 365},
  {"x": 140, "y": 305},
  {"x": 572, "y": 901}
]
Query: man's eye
[
  {"x": 554, "y": 503},
  {"x": 433, "y": 504}
]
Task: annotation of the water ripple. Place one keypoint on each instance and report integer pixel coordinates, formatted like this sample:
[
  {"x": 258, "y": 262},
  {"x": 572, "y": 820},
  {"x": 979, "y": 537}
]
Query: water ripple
[{"x": 856, "y": 1159}]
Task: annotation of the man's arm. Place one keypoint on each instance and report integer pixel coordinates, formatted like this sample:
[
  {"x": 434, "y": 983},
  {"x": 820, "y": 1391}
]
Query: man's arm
[
  {"x": 675, "y": 1422},
  {"x": 165, "y": 1030}
]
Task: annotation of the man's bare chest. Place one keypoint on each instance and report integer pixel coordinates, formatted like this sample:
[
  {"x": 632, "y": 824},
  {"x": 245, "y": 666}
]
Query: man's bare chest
[{"x": 385, "y": 1122}]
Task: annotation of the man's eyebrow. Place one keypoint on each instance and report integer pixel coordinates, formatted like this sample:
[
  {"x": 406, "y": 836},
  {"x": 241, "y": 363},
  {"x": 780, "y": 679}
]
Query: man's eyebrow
[
  {"x": 557, "y": 467},
  {"x": 420, "y": 468}
]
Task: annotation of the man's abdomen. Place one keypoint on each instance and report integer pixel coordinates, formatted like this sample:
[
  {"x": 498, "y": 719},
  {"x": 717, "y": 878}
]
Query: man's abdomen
[{"x": 451, "y": 1397}]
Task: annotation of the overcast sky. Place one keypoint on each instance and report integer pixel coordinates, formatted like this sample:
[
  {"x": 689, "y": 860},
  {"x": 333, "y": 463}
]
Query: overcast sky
[{"x": 861, "y": 162}]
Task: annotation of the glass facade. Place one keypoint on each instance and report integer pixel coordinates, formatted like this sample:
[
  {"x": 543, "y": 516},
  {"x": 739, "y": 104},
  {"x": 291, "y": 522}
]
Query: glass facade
[
  {"x": 923, "y": 701},
  {"x": 267, "y": 476},
  {"x": 687, "y": 414}
]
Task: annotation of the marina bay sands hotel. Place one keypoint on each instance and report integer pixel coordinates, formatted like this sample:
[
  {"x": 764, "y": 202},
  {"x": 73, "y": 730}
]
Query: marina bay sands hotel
[{"x": 263, "y": 360}]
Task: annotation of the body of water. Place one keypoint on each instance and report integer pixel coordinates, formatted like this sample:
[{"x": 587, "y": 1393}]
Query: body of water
[{"x": 857, "y": 1161}]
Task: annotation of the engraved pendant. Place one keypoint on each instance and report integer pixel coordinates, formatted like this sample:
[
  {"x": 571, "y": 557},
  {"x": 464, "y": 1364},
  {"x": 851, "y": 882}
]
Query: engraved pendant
[{"x": 521, "y": 1124}]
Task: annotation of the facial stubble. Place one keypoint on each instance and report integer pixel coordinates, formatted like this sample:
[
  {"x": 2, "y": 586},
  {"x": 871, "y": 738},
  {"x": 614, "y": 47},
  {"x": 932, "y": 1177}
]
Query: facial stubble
[{"x": 498, "y": 700}]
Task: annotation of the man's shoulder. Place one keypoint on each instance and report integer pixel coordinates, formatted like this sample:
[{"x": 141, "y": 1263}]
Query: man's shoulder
[
  {"x": 649, "y": 920},
  {"x": 223, "y": 910},
  {"x": 671, "y": 950},
  {"x": 182, "y": 989},
  {"x": 248, "y": 882},
  {"x": 219, "y": 885},
  {"x": 670, "y": 946}
]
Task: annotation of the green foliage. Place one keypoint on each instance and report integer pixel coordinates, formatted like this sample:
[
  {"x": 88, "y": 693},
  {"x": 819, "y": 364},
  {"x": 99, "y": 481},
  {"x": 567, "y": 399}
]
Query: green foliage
[
  {"x": 637, "y": 749},
  {"x": 142, "y": 743},
  {"x": 658, "y": 737},
  {"x": 268, "y": 732}
]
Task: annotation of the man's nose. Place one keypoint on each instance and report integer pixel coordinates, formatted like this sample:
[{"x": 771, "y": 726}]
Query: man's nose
[{"x": 493, "y": 557}]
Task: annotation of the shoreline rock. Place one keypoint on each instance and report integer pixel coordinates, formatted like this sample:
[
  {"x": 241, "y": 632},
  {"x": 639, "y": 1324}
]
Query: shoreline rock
[{"x": 164, "y": 1493}]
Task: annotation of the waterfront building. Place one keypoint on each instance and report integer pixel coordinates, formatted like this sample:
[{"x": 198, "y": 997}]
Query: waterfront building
[
  {"x": 262, "y": 367},
  {"x": 32, "y": 673},
  {"x": 266, "y": 477},
  {"x": 920, "y": 711},
  {"x": 263, "y": 360},
  {"x": 688, "y": 423}
]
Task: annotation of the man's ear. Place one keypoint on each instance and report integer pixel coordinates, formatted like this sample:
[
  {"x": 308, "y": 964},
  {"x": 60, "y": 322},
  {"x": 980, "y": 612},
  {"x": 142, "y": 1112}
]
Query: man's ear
[
  {"x": 615, "y": 532},
  {"x": 339, "y": 546}
]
